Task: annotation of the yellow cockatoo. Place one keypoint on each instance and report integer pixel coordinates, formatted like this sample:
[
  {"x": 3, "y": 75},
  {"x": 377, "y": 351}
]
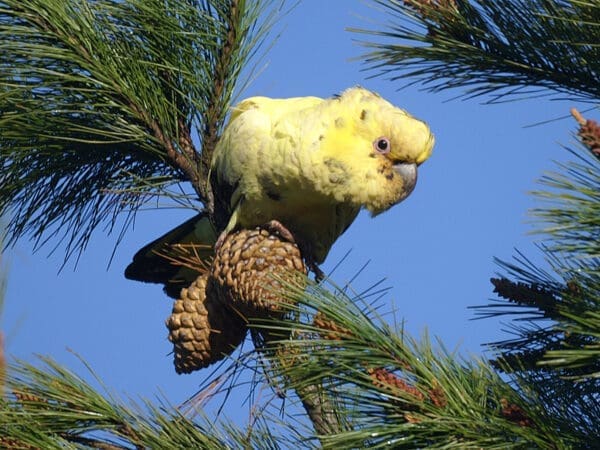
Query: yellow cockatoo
[{"x": 306, "y": 164}]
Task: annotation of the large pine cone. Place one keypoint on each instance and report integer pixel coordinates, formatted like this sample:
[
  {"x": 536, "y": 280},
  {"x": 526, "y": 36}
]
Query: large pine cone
[
  {"x": 202, "y": 329},
  {"x": 247, "y": 270},
  {"x": 208, "y": 321}
]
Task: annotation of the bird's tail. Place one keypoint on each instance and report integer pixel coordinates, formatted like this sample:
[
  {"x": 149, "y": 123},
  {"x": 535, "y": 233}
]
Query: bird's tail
[{"x": 176, "y": 258}]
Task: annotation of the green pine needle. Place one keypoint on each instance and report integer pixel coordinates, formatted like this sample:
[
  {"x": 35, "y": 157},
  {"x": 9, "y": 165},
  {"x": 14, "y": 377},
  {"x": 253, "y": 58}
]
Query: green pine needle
[
  {"x": 501, "y": 49},
  {"x": 558, "y": 333},
  {"x": 389, "y": 389},
  {"x": 48, "y": 406},
  {"x": 99, "y": 98}
]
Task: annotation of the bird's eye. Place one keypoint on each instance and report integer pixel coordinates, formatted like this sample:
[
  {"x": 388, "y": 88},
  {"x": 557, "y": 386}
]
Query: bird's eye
[{"x": 382, "y": 145}]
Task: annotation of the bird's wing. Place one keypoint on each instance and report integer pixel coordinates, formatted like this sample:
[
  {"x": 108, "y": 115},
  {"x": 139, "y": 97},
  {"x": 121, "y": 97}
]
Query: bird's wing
[
  {"x": 152, "y": 264},
  {"x": 258, "y": 140}
]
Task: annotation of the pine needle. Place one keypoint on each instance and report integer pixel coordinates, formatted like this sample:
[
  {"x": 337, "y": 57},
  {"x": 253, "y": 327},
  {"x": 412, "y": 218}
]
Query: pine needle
[{"x": 501, "y": 50}]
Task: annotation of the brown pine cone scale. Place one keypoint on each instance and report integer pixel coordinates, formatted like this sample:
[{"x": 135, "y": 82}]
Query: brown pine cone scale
[
  {"x": 247, "y": 270},
  {"x": 201, "y": 329}
]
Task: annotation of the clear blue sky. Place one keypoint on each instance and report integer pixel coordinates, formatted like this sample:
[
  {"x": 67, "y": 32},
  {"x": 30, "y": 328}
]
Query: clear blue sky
[{"x": 436, "y": 249}]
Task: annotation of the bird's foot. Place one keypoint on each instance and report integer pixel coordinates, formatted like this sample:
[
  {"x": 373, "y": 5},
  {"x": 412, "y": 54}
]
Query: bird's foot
[
  {"x": 220, "y": 240},
  {"x": 308, "y": 255},
  {"x": 314, "y": 267},
  {"x": 275, "y": 226}
]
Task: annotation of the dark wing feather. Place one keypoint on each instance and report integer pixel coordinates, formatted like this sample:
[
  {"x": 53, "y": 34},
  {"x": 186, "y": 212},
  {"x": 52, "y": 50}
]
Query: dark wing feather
[{"x": 150, "y": 265}]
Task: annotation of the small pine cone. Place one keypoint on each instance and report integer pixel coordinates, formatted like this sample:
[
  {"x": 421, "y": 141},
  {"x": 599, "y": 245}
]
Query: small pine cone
[
  {"x": 15, "y": 444},
  {"x": 201, "y": 329},
  {"x": 246, "y": 269},
  {"x": 515, "y": 413},
  {"x": 27, "y": 397},
  {"x": 589, "y": 132},
  {"x": 384, "y": 379},
  {"x": 329, "y": 329}
]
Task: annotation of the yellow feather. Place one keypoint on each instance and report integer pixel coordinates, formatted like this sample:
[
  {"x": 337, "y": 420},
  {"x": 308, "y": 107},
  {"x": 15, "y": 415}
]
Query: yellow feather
[{"x": 312, "y": 163}]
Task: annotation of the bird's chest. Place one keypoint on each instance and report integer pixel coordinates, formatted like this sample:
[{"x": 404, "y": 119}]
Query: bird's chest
[
  {"x": 316, "y": 219},
  {"x": 294, "y": 183}
]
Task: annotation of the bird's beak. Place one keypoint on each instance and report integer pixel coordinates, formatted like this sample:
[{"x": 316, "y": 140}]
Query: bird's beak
[{"x": 408, "y": 173}]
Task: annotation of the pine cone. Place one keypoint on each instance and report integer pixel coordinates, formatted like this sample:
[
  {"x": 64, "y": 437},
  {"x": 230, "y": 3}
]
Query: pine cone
[
  {"x": 329, "y": 329},
  {"x": 247, "y": 268},
  {"x": 589, "y": 133},
  {"x": 15, "y": 444},
  {"x": 202, "y": 329}
]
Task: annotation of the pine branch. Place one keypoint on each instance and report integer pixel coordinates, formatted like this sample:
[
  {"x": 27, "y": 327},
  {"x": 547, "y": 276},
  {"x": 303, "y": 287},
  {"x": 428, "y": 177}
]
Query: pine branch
[
  {"x": 215, "y": 111},
  {"x": 505, "y": 48},
  {"x": 565, "y": 300},
  {"x": 556, "y": 333},
  {"x": 514, "y": 48},
  {"x": 320, "y": 410},
  {"x": 99, "y": 99},
  {"x": 386, "y": 389},
  {"x": 51, "y": 407},
  {"x": 541, "y": 301},
  {"x": 390, "y": 390}
]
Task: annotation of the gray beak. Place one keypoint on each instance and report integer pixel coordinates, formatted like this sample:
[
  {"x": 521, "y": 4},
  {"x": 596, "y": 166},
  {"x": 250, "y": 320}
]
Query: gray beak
[{"x": 408, "y": 173}]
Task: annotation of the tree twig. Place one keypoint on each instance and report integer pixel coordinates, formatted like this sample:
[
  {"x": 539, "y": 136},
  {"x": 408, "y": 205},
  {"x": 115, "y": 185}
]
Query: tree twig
[
  {"x": 213, "y": 114},
  {"x": 319, "y": 409},
  {"x": 93, "y": 443}
]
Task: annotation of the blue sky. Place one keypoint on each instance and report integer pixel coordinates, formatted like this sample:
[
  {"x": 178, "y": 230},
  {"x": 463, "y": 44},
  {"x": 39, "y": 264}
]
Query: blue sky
[{"x": 435, "y": 250}]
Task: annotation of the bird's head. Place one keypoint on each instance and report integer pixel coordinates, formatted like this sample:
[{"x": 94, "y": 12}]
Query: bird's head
[{"x": 384, "y": 144}]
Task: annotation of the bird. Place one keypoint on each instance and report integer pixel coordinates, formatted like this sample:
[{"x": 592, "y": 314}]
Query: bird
[{"x": 304, "y": 167}]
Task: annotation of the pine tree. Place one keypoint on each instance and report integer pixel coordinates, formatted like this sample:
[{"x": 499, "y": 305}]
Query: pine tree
[{"x": 369, "y": 384}]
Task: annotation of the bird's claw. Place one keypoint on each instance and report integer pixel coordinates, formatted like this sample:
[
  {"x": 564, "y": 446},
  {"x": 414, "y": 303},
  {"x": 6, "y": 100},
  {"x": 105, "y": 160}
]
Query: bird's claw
[
  {"x": 275, "y": 226},
  {"x": 314, "y": 267},
  {"x": 220, "y": 240}
]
